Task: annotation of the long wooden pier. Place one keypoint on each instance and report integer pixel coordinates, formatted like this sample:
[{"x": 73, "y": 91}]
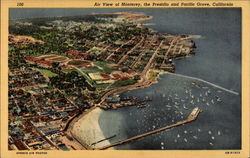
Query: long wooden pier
[{"x": 192, "y": 116}]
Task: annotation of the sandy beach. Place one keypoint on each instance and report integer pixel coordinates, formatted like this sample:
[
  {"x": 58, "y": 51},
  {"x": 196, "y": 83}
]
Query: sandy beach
[{"x": 87, "y": 130}]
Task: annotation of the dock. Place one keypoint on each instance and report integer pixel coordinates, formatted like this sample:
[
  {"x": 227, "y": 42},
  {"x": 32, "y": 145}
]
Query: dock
[{"x": 192, "y": 116}]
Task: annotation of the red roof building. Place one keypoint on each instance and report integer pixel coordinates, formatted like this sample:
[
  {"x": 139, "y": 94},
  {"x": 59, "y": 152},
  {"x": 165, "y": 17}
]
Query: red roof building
[
  {"x": 77, "y": 54},
  {"x": 39, "y": 61},
  {"x": 116, "y": 76},
  {"x": 86, "y": 64},
  {"x": 105, "y": 76}
]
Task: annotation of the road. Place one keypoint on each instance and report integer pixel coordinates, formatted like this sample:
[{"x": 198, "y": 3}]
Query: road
[
  {"x": 130, "y": 51},
  {"x": 146, "y": 68},
  {"x": 143, "y": 83},
  {"x": 119, "y": 48}
]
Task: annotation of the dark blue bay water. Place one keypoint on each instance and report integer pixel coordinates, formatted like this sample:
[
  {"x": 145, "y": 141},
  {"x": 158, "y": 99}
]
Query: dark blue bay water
[
  {"x": 218, "y": 60},
  {"x": 173, "y": 99},
  {"x": 218, "y": 57}
]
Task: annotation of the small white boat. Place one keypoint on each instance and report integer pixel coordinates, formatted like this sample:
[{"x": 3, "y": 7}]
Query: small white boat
[
  {"x": 219, "y": 100},
  {"x": 219, "y": 133},
  {"x": 198, "y": 100},
  {"x": 168, "y": 106},
  {"x": 212, "y": 101},
  {"x": 184, "y": 106}
]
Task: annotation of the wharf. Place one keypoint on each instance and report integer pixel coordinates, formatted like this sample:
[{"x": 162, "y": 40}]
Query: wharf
[{"x": 192, "y": 116}]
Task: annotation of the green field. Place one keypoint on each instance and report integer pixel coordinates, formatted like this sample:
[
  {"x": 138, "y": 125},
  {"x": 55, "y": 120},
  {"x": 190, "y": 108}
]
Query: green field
[
  {"x": 104, "y": 67},
  {"x": 123, "y": 83},
  {"x": 46, "y": 73},
  {"x": 100, "y": 67}
]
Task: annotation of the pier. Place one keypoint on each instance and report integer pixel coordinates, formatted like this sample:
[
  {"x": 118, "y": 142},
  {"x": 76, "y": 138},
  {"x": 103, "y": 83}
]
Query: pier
[{"x": 192, "y": 116}]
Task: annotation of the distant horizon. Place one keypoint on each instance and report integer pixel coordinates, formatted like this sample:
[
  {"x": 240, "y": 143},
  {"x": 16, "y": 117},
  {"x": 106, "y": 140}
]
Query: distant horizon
[{"x": 32, "y": 13}]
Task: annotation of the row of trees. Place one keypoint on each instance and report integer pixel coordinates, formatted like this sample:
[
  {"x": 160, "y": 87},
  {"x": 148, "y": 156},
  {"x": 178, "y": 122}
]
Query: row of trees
[{"x": 68, "y": 80}]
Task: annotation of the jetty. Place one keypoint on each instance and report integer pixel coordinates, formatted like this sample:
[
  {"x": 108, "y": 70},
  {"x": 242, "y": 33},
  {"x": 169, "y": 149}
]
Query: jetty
[{"x": 192, "y": 116}]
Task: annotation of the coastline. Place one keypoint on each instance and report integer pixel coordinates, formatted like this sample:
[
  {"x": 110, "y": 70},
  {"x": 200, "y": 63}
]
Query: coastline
[{"x": 87, "y": 123}]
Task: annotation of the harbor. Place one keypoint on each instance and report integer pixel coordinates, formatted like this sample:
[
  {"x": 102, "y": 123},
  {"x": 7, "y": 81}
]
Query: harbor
[
  {"x": 117, "y": 102},
  {"x": 193, "y": 115},
  {"x": 170, "y": 105}
]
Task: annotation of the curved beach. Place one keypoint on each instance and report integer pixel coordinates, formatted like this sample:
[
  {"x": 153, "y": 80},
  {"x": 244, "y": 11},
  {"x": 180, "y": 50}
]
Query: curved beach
[{"x": 87, "y": 131}]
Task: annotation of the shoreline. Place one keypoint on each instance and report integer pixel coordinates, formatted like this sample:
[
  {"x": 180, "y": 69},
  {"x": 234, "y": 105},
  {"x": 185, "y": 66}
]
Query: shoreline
[
  {"x": 87, "y": 123},
  {"x": 94, "y": 114},
  {"x": 128, "y": 15},
  {"x": 145, "y": 81}
]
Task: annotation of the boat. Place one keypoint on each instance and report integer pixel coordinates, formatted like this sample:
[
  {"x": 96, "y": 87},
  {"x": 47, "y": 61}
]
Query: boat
[
  {"x": 212, "y": 101},
  {"x": 219, "y": 100},
  {"x": 219, "y": 133},
  {"x": 168, "y": 106},
  {"x": 184, "y": 107}
]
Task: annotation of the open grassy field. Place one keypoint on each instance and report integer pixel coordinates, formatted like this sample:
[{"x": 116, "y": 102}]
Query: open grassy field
[
  {"x": 46, "y": 73},
  {"x": 104, "y": 67}
]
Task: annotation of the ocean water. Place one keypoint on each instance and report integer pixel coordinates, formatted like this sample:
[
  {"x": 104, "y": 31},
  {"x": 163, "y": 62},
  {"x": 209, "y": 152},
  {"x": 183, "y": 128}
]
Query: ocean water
[
  {"x": 173, "y": 99},
  {"x": 218, "y": 57},
  {"x": 218, "y": 60}
]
